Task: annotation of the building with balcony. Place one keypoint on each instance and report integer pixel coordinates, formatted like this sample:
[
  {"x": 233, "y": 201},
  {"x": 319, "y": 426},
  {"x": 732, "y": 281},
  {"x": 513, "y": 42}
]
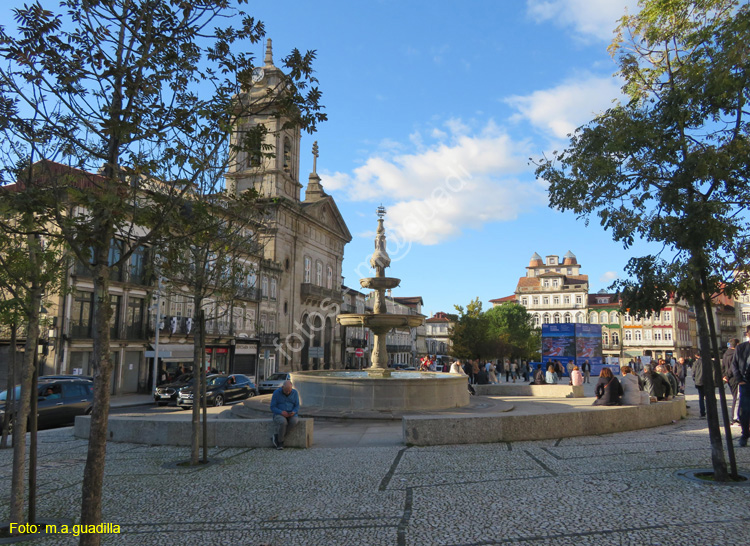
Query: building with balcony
[
  {"x": 438, "y": 330},
  {"x": 357, "y": 341}
]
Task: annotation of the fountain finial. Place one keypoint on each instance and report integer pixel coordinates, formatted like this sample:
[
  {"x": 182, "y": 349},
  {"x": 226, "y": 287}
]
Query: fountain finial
[{"x": 380, "y": 259}]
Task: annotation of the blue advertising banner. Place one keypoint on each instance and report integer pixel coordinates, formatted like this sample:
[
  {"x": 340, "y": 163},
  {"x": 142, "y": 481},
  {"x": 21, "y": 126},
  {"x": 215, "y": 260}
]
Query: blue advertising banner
[{"x": 571, "y": 344}]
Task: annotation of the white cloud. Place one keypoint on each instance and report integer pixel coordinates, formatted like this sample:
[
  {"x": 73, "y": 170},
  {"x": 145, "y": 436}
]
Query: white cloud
[
  {"x": 463, "y": 180},
  {"x": 608, "y": 277},
  {"x": 561, "y": 109},
  {"x": 589, "y": 18}
]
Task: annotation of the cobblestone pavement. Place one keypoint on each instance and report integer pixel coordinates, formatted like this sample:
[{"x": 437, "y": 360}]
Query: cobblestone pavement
[{"x": 619, "y": 489}]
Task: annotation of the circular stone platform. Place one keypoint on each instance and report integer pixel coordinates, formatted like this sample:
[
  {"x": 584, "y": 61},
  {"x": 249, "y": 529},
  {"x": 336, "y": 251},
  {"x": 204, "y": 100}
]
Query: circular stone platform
[{"x": 351, "y": 390}]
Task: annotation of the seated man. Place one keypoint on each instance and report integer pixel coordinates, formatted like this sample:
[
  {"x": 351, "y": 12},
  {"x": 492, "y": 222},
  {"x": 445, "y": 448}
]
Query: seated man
[
  {"x": 285, "y": 408},
  {"x": 539, "y": 376},
  {"x": 51, "y": 393},
  {"x": 654, "y": 383}
]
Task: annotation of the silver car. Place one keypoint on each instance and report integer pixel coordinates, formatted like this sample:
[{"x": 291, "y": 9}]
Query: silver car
[{"x": 273, "y": 382}]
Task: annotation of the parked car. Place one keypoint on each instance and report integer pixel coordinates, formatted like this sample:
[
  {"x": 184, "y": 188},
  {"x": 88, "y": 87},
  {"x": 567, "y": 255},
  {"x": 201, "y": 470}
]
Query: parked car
[
  {"x": 219, "y": 390},
  {"x": 59, "y": 401},
  {"x": 166, "y": 394},
  {"x": 273, "y": 382}
]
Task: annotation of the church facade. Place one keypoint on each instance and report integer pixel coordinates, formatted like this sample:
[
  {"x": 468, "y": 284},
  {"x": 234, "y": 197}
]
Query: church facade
[{"x": 303, "y": 241}]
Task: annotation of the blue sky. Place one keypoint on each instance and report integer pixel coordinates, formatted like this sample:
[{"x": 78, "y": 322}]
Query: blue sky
[{"x": 434, "y": 110}]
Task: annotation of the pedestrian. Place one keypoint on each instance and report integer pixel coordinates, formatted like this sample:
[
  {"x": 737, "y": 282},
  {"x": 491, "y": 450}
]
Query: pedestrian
[
  {"x": 576, "y": 377},
  {"x": 730, "y": 379},
  {"x": 698, "y": 380},
  {"x": 507, "y": 370},
  {"x": 550, "y": 377},
  {"x": 539, "y": 376},
  {"x": 586, "y": 369},
  {"x": 680, "y": 371},
  {"x": 285, "y": 409},
  {"x": 514, "y": 370},
  {"x": 741, "y": 370}
]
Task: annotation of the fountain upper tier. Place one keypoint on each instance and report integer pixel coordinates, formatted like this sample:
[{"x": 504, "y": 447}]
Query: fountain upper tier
[{"x": 379, "y": 283}]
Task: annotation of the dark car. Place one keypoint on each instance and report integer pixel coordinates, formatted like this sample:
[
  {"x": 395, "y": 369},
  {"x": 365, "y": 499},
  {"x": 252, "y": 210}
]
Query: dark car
[
  {"x": 59, "y": 401},
  {"x": 273, "y": 382},
  {"x": 167, "y": 393},
  {"x": 219, "y": 390}
]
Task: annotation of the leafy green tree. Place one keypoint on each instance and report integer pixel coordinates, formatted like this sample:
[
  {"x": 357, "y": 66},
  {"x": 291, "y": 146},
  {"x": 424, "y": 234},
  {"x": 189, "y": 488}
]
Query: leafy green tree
[
  {"x": 511, "y": 323},
  {"x": 469, "y": 336},
  {"x": 144, "y": 95},
  {"x": 670, "y": 165}
]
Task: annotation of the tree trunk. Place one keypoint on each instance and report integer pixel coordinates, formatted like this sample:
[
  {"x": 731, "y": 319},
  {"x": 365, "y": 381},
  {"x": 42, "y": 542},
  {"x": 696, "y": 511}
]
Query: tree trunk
[
  {"x": 24, "y": 406},
  {"x": 11, "y": 383},
  {"x": 716, "y": 368},
  {"x": 93, "y": 474},
  {"x": 199, "y": 377},
  {"x": 712, "y": 416}
]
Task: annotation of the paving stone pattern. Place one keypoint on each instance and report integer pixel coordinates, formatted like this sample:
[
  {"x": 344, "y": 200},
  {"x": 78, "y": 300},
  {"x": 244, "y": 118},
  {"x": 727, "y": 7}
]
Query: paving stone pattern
[{"x": 618, "y": 489}]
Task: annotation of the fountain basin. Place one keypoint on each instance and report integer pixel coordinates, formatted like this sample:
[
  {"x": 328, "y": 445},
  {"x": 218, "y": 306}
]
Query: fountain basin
[
  {"x": 382, "y": 322},
  {"x": 379, "y": 283},
  {"x": 351, "y": 391}
]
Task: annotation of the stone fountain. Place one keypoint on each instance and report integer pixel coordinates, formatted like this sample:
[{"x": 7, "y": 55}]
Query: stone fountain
[{"x": 379, "y": 388}]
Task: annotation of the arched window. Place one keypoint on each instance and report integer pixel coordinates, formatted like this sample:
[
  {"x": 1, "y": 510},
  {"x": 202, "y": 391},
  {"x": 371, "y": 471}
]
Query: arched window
[
  {"x": 604, "y": 316},
  {"x": 287, "y": 154},
  {"x": 536, "y": 320},
  {"x": 329, "y": 278},
  {"x": 567, "y": 318},
  {"x": 579, "y": 317},
  {"x": 593, "y": 318},
  {"x": 556, "y": 318},
  {"x": 605, "y": 338},
  {"x": 319, "y": 273},
  {"x": 613, "y": 317},
  {"x": 615, "y": 338},
  {"x": 545, "y": 318}
]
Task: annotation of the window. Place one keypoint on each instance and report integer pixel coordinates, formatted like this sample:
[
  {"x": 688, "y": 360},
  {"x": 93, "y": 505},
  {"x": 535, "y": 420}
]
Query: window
[
  {"x": 557, "y": 318},
  {"x": 536, "y": 302},
  {"x": 252, "y": 279},
  {"x": 319, "y": 273},
  {"x": 638, "y": 335},
  {"x": 656, "y": 316},
  {"x": 657, "y": 335},
  {"x": 536, "y": 320},
  {"x": 545, "y": 318},
  {"x": 615, "y": 338},
  {"x": 579, "y": 318},
  {"x": 264, "y": 286},
  {"x": 134, "y": 318},
  {"x": 138, "y": 265},
  {"x": 593, "y": 318},
  {"x": 273, "y": 288},
  {"x": 604, "y": 317},
  {"x": 605, "y": 338},
  {"x": 525, "y": 302},
  {"x": 667, "y": 316},
  {"x": 263, "y": 321},
  {"x": 647, "y": 335},
  {"x": 555, "y": 283},
  {"x": 578, "y": 300},
  {"x": 613, "y": 317},
  {"x": 628, "y": 319},
  {"x": 567, "y": 318},
  {"x": 115, "y": 253},
  {"x": 308, "y": 267},
  {"x": 556, "y": 300},
  {"x": 329, "y": 278},
  {"x": 545, "y": 300},
  {"x": 628, "y": 335},
  {"x": 546, "y": 283},
  {"x": 570, "y": 271},
  {"x": 566, "y": 300},
  {"x": 80, "y": 320},
  {"x": 114, "y": 320},
  {"x": 668, "y": 335}
]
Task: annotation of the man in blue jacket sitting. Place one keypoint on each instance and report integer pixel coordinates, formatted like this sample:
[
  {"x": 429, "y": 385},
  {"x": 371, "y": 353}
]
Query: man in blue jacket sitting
[{"x": 285, "y": 408}]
